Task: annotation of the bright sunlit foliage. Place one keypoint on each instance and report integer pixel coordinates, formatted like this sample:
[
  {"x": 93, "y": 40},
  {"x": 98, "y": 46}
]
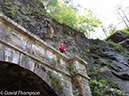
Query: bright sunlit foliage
[{"x": 64, "y": 12}]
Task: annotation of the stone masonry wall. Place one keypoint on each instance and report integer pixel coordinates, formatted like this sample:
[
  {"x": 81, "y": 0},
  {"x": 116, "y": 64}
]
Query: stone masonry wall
[{"x": 19, "y": 46}]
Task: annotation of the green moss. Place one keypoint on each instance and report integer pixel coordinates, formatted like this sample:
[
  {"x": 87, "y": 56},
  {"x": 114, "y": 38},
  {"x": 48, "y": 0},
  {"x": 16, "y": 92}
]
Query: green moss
[
  {"x": 123, "y": 54},
  {"x": 26, "y": 17},
  {"x": 40, "y": 59},
  {"x": 115, "y": 45},
  {"x": 110, "y": 64},
  {"x": 114, "y": 82},
  {"x": 56, "y": 81},
  {"x": 125, "y": 31},
  {"x": 103, "y": 82},
  {"x": 109, "y": 60},
  {"x": 96, "y": 91},
  {"x": 32, "y": 23},
  {"x": 60, "y": 85},
  {"x": 70, "y": 68},
  {"x": 28, "y": 54},
  {"x": 82, "y": 52},
  {"x": 109, "y": 36},
  {"x": 91, "y": 73},
  {"x": 60, "y": 57},
  {"x": 90, "y": 47},
  {"x": 9, "y": 12},
  {"x": 44, "y": 67}
]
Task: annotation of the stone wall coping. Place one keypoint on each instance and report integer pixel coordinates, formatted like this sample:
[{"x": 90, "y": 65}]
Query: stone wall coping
[
  {"x": 76, "y": 58},
  {"x": 35, "y": 58},
  {"x": 28, "y": 34},
  {"x": 82, "y": 75}
]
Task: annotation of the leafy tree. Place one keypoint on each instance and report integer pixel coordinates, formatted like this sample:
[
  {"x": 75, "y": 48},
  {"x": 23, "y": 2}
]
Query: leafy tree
[
  {"x": 87, "y": 22},
  {"x": 64, "y": 12},
  {"x": 111, "y": 28}
]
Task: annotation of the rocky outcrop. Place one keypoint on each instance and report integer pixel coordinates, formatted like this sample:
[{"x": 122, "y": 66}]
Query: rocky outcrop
[
  {"x": 118, "y": 37},
  {"x": 105, "y": 61}
]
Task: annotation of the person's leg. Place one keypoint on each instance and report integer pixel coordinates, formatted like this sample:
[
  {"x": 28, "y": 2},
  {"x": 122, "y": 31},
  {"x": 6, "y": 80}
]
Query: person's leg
[{"x": 62, "y": 51}]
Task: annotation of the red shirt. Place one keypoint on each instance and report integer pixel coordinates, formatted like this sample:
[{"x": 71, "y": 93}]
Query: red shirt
[{"x": 62, "y": 47}]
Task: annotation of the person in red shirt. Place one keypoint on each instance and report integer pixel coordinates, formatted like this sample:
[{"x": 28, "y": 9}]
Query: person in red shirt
[{"x": 62, "y": 49}]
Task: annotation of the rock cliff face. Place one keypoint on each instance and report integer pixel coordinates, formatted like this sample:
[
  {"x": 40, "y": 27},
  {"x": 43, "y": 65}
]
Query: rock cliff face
[{"x": 108, "y": 61}]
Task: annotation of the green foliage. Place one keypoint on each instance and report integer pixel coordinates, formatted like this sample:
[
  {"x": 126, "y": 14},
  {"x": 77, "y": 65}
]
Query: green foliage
[
  {"x": 60, "y": 85},
  {"x": 109, "y": 65},
  {"x": 90, "y": 47},
  {"x": 56, "y": 80},
  {"x": 103, "y": 82},
  {"x": 91, "y": 73},
  {"x": 115, "y": 45},
  {"x": 94, "y": 85},
  {"x": 96, "y": 91},
  {"x": 82, "y": 72},
  {"x": 28, "y": 54},
  {"x": 40, "y": 59},
  {"x": 53, "y": 62},
  {"x": 12, "y": 12},
  {"x": 26, "y": 17},
  {"x": 60, "y": 57},
  {"x": 109, "y": 60},
  {"x": 109, "y": 35},
  {"x": 32, "y": 23},
  {"x": 125, "y": 31},
  {"x": 8, "y": 38},
  {"x": 123, "y": 54},
  {"x": 111, "y": 80},
  {"x": 9, "y": 12},
  {"x": 111, "y": 28},
  {"x": 82, "y": 52},
  {"x": 123, "y": 93},
  {"x": 20, "y": 23},
  {"x": 44, "y": 67},
  {"x": 9, "y": 29},
  {"x": 87, "y": 22},
  {"x": 95, "y": 70},
  {"x": 64, "y": 12},
  {"x": 53, "y": 78},
  {"x": 70, "y": 68}
]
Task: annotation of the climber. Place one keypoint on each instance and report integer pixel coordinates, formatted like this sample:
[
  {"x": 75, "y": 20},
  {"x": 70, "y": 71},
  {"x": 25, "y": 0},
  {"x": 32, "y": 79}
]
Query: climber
[{"x": 62, "y": 49}]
